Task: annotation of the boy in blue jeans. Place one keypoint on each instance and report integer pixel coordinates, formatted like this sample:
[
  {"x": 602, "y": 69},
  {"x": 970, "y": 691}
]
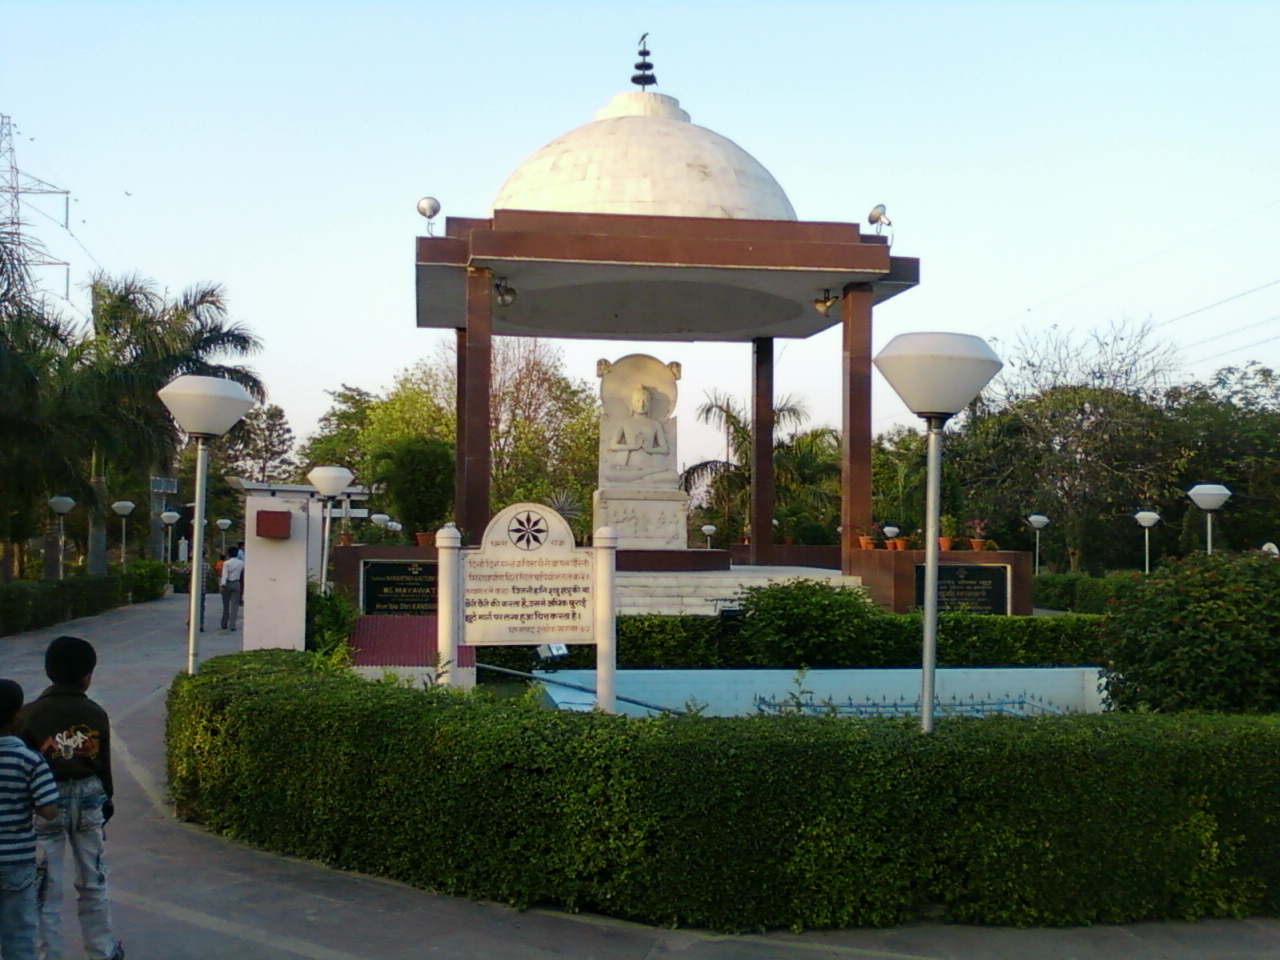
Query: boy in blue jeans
[
  {"x": 25, "y": 785},
  {"x": 73, "y": 734}
]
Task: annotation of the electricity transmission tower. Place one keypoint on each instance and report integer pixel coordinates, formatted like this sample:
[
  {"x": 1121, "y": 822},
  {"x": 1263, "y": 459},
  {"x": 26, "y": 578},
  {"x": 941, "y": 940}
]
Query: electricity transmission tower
[{"x": 14, "y": 184}]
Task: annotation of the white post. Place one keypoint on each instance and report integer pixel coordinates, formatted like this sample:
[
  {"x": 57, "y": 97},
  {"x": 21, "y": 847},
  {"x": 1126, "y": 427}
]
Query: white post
[
  {"x": 197, "y": 553},
  {"x": 448, "y": 601},
  {"x": 324, "y": 556},
  {"x": 933, "y": 507},
  {"x": 1146, "y": 551},
  {"x": 605, "y": 543},
  {"x": 1037, "y": 551},
  {"x": 1208, "y": 532}
]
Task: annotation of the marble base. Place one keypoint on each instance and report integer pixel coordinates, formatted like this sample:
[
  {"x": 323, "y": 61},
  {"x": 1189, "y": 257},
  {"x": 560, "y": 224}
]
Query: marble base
[{"x": 644, "y": 519}]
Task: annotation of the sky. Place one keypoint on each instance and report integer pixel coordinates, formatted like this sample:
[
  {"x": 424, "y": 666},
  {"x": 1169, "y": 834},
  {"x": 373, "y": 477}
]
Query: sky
[{"x": 1050, "y": 163}]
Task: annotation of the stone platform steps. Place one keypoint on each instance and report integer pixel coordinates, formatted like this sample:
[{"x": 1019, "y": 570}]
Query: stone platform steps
[{"x": 706, "y": 593}]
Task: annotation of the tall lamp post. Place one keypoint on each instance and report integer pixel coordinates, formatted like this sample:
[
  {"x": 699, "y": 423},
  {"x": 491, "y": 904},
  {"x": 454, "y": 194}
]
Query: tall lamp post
[
  {"x": 205, "y": 408},
  {"x": 224, "y": 525},
  {"x": 61, "y": 506},
  {"x": 1148, "y": 519},
  {"x": 170, "y": 517},
  {"x": 1039, "y": 521},
  {"x": 937, "y": 375},
  {"x": 330, "y": 481},
  {"x": 1209, "y": 497},
  {"x": 122, "y": 510}
]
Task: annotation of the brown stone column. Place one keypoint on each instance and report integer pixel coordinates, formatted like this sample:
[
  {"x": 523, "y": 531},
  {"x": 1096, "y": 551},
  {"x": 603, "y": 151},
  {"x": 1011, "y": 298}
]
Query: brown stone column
[
  {"x": 460, "y": 427},
  {"x": 762, "y": 451},
  {"x": 855, "y": 453},
  {"x": 473, "y": 393}
]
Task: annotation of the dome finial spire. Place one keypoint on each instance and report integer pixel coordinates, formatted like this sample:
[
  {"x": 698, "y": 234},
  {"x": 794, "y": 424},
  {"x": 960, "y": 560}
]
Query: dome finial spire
[{"x": 645, "y": 77}]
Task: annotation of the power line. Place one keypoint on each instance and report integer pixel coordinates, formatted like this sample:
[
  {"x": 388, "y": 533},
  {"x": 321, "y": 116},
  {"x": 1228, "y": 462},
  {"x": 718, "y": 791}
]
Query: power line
[
  {"x": 1248, "y": 346},
  {"x": 1219, "y": 303},
  {"x": 1138, "y": 263},
  {"x": 70, "y": 233},
  {"x": 1230, "y": 332}
]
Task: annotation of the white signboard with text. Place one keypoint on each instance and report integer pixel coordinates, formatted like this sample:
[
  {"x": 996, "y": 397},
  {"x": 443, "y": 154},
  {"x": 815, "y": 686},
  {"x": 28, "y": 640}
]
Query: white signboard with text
[{"x": 527, "y": 583}]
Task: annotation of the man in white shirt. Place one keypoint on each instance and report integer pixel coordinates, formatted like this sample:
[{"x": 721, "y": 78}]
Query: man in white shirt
[{"x": 231, "y": 585}]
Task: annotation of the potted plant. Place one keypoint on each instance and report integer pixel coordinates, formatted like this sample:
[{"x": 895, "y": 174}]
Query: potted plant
[
  {"x": 977, "y": 533},
  {"x": 949, "y": 528}
]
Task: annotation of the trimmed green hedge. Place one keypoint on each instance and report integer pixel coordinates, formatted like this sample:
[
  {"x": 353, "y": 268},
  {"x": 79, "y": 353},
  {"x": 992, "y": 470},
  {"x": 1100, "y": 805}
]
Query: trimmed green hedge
[
  {"x": 1079, "y": 592},
  {"x": 34, "y": 604},
  {"x": 146, "y": 580},
  {"x": 735, "y": 824},
  {"x": 883, "y": 640}
]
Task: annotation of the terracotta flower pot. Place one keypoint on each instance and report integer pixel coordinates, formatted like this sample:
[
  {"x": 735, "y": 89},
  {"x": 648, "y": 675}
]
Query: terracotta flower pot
[
  {"x": 898, "y": 543},
  {"x": 977, "y": 543},
  {"x": 945, "y": 543},
  {"x": 424, "y": 539},
  {"x": 867, "y": 543},
  {"x": 345, "y": 538}
]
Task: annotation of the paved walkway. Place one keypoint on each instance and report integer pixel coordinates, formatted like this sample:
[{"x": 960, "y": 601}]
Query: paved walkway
[{"x": 183, "y": 894}]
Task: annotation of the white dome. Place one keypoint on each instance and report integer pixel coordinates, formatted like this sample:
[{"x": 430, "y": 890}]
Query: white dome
[{"x": 641, "y": 155}]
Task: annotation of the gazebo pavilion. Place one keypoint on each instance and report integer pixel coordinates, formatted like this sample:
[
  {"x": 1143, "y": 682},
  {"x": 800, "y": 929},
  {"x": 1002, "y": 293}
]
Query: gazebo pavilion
[{"x": 643, "y": 226}]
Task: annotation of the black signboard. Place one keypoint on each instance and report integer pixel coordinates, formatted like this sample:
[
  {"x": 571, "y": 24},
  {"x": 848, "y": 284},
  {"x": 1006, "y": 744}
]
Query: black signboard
[
  {"x": 968, "y": 587},
  {"x": 404, "y": 587}
]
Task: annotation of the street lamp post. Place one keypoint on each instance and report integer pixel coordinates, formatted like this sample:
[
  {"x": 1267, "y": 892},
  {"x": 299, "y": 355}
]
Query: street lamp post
[
  {"x": 329, "y": 481},
  {"x": 170, "y": 517},
  {"x": 122, "y": 509},
  {"x": 1039, "y": 521},
  {"x": 707, "y": 530},
  {"x": 1209, "y": 497},
  {"x": 61, "y": 506},
  {"x": 937, "y": 375},
  {"x": 205, "y": 408},
  {"x": 224, "y": 525},
  {"x": 1148, "y": 519}
]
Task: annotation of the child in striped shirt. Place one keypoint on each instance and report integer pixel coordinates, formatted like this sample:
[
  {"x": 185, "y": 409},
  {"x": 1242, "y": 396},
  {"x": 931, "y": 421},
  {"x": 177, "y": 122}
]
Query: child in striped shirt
[{"x": 25, "y": 785}]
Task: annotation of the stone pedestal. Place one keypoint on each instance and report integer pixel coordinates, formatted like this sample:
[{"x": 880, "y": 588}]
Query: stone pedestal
[{"x": 644, "y": 519}]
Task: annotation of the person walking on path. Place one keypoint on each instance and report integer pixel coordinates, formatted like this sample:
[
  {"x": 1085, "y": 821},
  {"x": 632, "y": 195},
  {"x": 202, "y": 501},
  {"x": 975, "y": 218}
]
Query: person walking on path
[
  {"x": 26, "y": 784},
  {"x": 231, "y": 585},
  {"x": 73, "y": 733}
]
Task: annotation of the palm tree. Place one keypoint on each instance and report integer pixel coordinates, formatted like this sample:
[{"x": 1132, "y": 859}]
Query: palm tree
[
  {"x": 802, "y": 474},
  {"x": 139, "y": 340}
]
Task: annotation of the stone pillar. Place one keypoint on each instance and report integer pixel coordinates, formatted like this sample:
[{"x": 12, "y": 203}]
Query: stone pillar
[
  {"x": 762, "y": 492},
  {"x": 460, "y": 426},
  {"x": 472, "y": 508},
  {"x": 855, "y": 453}
]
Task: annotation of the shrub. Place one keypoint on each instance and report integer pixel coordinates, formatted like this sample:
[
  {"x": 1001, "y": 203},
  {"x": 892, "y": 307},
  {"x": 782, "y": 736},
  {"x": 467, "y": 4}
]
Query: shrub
[
  {"x": 1056, "y": 591},
  {"x": 1201, "y": 633},
  {"x": 883, "y": 640},
  {"x": 146, "y": 580},
  {"x": 330, "y": 618},
  {"x": 736, "y": 823},
  {"x": 18, "y": 601},
  {"x": 807, "y": 623}
]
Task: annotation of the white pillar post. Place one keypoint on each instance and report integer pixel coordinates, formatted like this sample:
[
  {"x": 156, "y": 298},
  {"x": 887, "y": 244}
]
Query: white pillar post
[
  {"x": 933, "y": 507},
  {"x": 605, "y": 542},
  {"x": 197, "y": 554},
  {"x": 448, "y": 601}
]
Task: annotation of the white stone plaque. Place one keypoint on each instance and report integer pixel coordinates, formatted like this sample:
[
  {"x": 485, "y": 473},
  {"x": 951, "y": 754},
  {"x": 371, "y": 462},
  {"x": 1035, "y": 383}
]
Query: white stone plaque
[{"x": 527, "y": 583}]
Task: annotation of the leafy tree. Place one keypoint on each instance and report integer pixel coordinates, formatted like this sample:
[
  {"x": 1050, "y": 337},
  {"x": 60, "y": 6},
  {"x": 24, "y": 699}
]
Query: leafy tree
[
  {"x": 418, "y": 475},
  {"x": 1228, "y": 431},
  {"x": 544, "y": 425},
  {"x": 260, "y": 447},
  {"x": 337, "y": 443}
]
